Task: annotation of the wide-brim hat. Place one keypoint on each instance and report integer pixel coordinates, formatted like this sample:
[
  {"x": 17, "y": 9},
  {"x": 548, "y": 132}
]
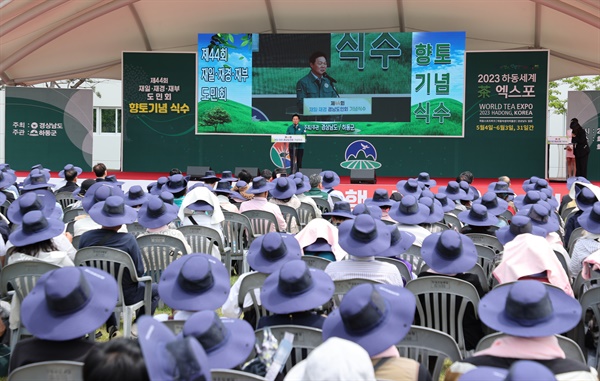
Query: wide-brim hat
[
  {"x": 531, "y": 180},
  {"x": 400, "y": 241},
  {"x": 550, "y": 199},
  {"x": 302, "y": 184},
  {"x": 227, "y": 342},
  {"x": 223, "y": 186},
  {"x": 590, "y": 219},
  {"x": 39, "y": 167},
  {"x": 500, "y": 187},
  {"x": 284, "y": 188},
  {"x": 260, "y": 185},
  {"x": 443, "y": 199},
  {"x": 270, "y": 251},
  {"x": 157, "y": 186},
  {"x": 409, "y": 187},
  {"x": 340, "y": 209},
  {"x": 45, "y": 201},
  {"x": 519, "y": 224},
  {"x": 296, "y": 288},
  {"x": 477, "y": 216},
  {"x": 200, "y": 206},
  {"x": 373, "y": 316},
  {"x": 541, "y": 217},
  {"x": 210, "y": 175},
  {"x": 574, "y": 179},
  {"x": 320, "y": 245},
  {"x": 36, "y": 228},
  {"x": 529, "y": 198},
  {"x": 380, "y": 198},
  {"x": 69, "y": 302},
  {"x": 168, "y": 357},
  {"x": 36, "y": 180},
  {"x": 113, "y": 180},
  {"x": 453, "y": 191},
  {"x": 471, "y": 194},
  {"x": 541, "y": 184},
  {"x": 494, "y": 204},
  {"x": 69, "y": 167},
  {"x": 113, "y": 212},
  {"x": 519, "y": 370},
  {"x": 330, "y": 179},
  {"x": 449, "y": 252},
  {"x": 426, "y": 180},
  {"x": 585, "y": 198},
  {"x": 7, "y": 179},
  {"x": 364, "y": 236},
  {"x": 194, "y": 282},
  {"x": 409, "y": 211},
  {"x": 228, "y": 176},
  {"x": 80, "y": 192},
  {"x": 175, "y": 183},
  {"x": 372, "y": 210},
  {"x": 136, "y": 196},
  {"x": 156, "y": 213},
  {"x": 436, "y": 212},
  {"x": 529, "y": 308},
  {"x": 100, "y": 191}
]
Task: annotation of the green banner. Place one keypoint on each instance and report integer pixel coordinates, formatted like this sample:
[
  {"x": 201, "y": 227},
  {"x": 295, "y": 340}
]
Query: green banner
[
  {"x": 52, "y": 127},
  {"x": 506, "y": 98},
  {"x": 159, "y": 107}
]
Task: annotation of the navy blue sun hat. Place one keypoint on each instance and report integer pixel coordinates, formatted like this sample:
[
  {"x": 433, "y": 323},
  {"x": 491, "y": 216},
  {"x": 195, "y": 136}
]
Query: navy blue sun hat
[
  {"x": 170, "y": 357},
  {"x": 436, "y": 212},
  {"x": 269, "y": 252},
  {"x": 227, "y": 342},
  {"x": 449, "y": 252},
  {"x": 372, "y": 210},
  {"x": 572, "y": 180},
  {"x": 409, "y": 211},
  {"x": 364, "y": 236},
  {"x": 540, "y": 217},
  {"x": 501, "y": 187},
  {"x": 156, "y": 213},
  {"x": 330, "y": 179},
  {"x": 157, "y": 187},
  {"x": 210, "y": 175},
  {"x": 584, "y": 197},
  {"x": 296, "y": 288},
  {"x": 69, "y": 167},
  {"x": 519, "y": 224},
  {"x": 260, "y": 185},
  {"x": 529, "y": 308},
  {"x": 529, "y": 198},
  {"x": 409, "y": 187},
  {"x": 494, "y": 204},
  {"x": 223, "y": 187},
  {"x": 284, "y": 188},
  {"x": 426, "y": 180},
  {"x": 194, "y": 282},
  {"x": 340, "y": 209},
  {"x": 400, "y": 242},
  {"x": 477, "y": 216},
  {"x": 380, "y": 198},
  {"x": 527, "y": 182},
  {"x": 228, "y": 176},
  {"x": 175, "y": 183},
  {"x": 45, "y": 202},
  {"x": 36, "y": 180},
  {"x": 136, "y": 196},
  {"x": 590, "y": 219},
  {"x": 372, "y": 316},
  {"x": 35, "y": 228},
  {"x": 302, "y": 185},
  {"x": 7, "y": 179},
  {"x": 453, "y": 191},
  {"x": 100, "y": 191},
  {"x": 113, "y": 212},
  {"x": 443, "y": 199},
  {"x": 471, "y": 194},
  {"x": 320, "y": 245}
]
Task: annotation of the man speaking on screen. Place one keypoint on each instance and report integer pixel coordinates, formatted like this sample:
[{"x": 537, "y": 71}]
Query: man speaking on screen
[
  {"x": 317, "y": 83},
  {"x": 296, "y": 150}
]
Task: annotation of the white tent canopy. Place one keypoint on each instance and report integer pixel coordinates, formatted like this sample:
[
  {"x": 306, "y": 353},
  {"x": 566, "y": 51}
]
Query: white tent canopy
[{"x": 42, "y": 41}]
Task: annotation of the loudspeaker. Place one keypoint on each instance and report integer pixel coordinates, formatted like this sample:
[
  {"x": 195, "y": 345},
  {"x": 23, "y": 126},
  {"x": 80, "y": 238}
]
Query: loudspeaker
[
  {"x": 310, "y": 171},
  {"x": 195, "y": 173},
  {"x": 362, "y": 176},
  {"x": 251, "y": 170}
]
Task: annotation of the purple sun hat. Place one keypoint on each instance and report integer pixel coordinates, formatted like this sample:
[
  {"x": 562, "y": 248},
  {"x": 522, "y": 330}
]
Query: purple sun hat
[
  {"x": 175, "y": 183},
  {"x": 170, "y": 357},
  {"x": 409, "y": 187},
  {"x": 157, "y": 186},
  {"x": 69, "y": 302},
  {"x": 443, "y": 199},
  {"x": 302, "y": 185},
  {"x": 284, "y": 188},
  {"x": 210, "y": 175},
  {"x": 156, "y": 213},
  {"x": 223, "y": 187},
  {"x": 340, "y": 209},
  {"x": 136, "y": 196},
  {"x": 227, "y": 342},
  {"x": 260, "y": 185},
  {"x": 228, "y": 176},
  {"x": 168, "y": 198},
  {"x": 494, "y": 204},
  {"x": 471, "y": 194},
  {"x": 36, "y": 180},
  {"x": 100, "y": 191},
  {"x": 330, "y": 179},
  {"x": 372, "y": 210},
  {"x": 409, "y": 211},
  {"x": 7, "y": 179},
  {"x": 69, "y": 167},
  {"x": 540, "y": 216},
  {"x": 531, "y": 197},
  {"x": 436, "y": 212},
  {"x": 112, "y": 212},
  {"x": 572, "y": 180},
  {"x": 296, "y": 288},
  {"x": 519, "y": 224},
  {"x": 584, "y": 197},
  {"x": 453, "y": 191},
  {"x": 501, "y": 187},
  {"x": 528, "y": 182},
  {"x": 529, "y": 308},
  {"x": 449, "y": 252},
  {"x": 45, "y": 201},
  {"x": 477, "y": 216},
  {"x": 519, "y": 370},
  {"x": 194, "y": 282},
  {"x": 380, "y": 198},
  {"x": 400, "y": 242},
  {"x": 372, "y": 316},
  {"x": 426, "y": 180},
  {"x": 35, "y": 228},
  {"x": 364, "y": 236},
  {"x": 270, "y": 251},
  {"x": 590, "y": 219}
]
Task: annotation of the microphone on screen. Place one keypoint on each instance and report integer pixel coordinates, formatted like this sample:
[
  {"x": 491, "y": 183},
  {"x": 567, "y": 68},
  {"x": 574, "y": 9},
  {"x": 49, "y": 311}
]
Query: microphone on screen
[{"x": 330, "y": 78}]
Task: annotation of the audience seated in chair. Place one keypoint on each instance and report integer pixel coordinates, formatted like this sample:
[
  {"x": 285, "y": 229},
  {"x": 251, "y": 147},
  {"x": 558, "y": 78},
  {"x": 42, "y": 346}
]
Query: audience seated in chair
[
  {"x": 156, "y": 216},
  {"x": 320, "y": 238},
  {"x": 69, "y": 173},
  {"x": 119, "y": 359},
  {"x": 260, "y": 189},
  {"x": 283, "y": 193}
]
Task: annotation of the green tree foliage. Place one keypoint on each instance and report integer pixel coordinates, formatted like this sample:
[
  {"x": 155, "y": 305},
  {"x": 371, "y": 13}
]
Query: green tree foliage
[
  {"x": 559, "y": 105},
  {"x": 215, "y": 117}
]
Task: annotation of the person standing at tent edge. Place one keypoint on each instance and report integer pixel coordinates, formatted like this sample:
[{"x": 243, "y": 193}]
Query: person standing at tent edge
[{"x": 582, "y": 149}]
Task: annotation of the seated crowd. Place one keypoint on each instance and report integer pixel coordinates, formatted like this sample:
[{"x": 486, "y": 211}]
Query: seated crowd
[{"x": 461, "y": 262}]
